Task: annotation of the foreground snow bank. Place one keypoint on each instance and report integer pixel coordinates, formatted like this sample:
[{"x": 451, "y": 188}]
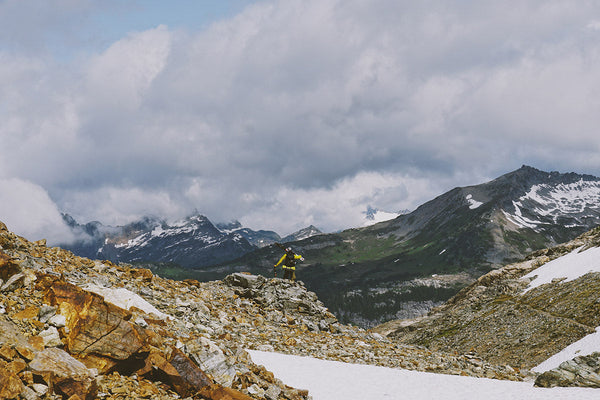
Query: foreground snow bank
[{"x": 332, "y": 380}]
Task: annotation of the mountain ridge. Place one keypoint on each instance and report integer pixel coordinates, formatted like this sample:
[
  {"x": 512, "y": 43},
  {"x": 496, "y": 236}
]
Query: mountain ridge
[
  {"x": 464, "y": 232},
  {"x": 190, "y": 242}
]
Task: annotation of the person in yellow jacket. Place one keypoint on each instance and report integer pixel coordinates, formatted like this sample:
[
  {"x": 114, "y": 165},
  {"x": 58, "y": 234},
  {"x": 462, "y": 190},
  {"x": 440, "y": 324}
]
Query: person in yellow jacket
[{"x": 289, "y": 264}]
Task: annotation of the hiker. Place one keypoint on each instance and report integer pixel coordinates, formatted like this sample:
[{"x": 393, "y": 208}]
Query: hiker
[{"x": 289, "y": 264}]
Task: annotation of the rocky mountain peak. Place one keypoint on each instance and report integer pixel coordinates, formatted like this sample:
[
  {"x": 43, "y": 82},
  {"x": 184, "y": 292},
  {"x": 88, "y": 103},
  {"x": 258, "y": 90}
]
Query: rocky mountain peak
[{"x": 302, "y": 234}]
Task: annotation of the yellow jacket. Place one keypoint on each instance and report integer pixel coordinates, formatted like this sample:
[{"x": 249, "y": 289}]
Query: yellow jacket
[{"x": 285, "y": 264}]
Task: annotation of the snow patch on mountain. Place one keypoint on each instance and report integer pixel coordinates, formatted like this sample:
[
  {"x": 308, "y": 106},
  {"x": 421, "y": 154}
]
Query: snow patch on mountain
[
  {"x": 334, "y": 380},
  {"x": 579, "y": 200},
  {"x": 569, "y": 267},
  {"x": 302, "y": 234},
  {"x": 564, "y": 269},
  {"x": 374, "y": 216},
  {"x": 473, "y": 204}
]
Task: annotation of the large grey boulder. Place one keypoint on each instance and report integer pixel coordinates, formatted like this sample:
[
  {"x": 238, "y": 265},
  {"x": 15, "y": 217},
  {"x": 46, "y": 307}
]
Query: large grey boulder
[{"x": 582, "y": 371}]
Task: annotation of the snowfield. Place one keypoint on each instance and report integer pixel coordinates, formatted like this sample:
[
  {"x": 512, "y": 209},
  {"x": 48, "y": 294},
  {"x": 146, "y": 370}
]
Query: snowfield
[{"x": 334, "y": 380}]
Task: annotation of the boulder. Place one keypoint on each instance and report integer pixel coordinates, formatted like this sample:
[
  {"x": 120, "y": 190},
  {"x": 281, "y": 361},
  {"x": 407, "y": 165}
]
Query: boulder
[
  {"x": 10, "y": 385},
  {"x": 245, "y": 281},
  {"x": 582, "y": 371},
  {"x": 64, "y": 373},
  {"x": 185, "y": 377},
  {"x": 98, "y": 333},
  {"x": 8, "y": 267},
  {"x": 194, "y": 378}
]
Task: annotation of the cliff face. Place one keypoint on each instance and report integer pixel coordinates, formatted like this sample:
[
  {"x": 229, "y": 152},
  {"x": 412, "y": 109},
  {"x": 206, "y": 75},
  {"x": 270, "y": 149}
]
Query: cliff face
[{"x": 73, "y": 326}]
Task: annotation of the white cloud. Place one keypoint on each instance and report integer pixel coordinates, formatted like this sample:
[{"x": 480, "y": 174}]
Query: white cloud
[
  {"x": 117, "y": 206},
  {"x": 120, "y": 76},
  {"x": 300, "y": 108},
  {"x": 342, "y": 205},
  {"x": 28, "y": 211}
]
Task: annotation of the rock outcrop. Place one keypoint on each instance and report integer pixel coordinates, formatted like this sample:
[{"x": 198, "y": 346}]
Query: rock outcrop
[{"x": 582, "y": 371}]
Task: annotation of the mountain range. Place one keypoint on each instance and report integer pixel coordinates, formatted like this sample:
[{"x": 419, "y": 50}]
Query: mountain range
[
  {"x": 193, "y": 242},
  {"x": 399, "y": 268},
  {"x": 402, "y": 267}
]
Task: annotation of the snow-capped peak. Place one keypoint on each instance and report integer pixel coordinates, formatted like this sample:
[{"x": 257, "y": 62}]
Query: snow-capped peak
[
  {"x": 546, "y": 203},
  {"x": 374, "y": 216}
]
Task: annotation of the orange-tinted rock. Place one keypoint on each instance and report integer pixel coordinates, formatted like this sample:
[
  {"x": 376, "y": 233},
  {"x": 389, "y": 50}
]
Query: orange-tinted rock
[
  {"x": 158, "y": 368},
  {"x": 66, "y": 375},
  {"x": 10, "y": 385},
  {"x": 96, "y": 329},
  {"x": 7, "y": 352},
  {"x": 192, "y": 375},
  {"x": 36, "y": 342},
  {"x": 26, "y": 377},
  {"x": 25, "y": 352},
  {"x": 16, "y": 366},
  {"x": 28, "y": 313},
  {"x": 141, "y": 273},
  {"x": 218, "y": 392},
  {"x": 8, "y": 268},
  {"x": 179, "y": 372}
]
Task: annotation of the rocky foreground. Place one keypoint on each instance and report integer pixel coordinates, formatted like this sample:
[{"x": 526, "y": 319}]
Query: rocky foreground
[{"x": 73, "y": 328}]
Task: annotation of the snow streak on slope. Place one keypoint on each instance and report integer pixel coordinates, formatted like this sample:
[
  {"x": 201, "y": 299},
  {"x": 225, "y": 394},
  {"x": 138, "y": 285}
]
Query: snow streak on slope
[
  {"x": 333, "y": 380},
  {"x": 579, "y": 200},
  {"x": 473, "y": 204},
  {"x": 191, "y": 227},
  {"x": 568, "y": 267}
]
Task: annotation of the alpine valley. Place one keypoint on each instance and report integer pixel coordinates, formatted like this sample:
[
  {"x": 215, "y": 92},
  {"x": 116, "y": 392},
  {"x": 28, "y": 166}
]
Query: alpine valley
[{"x": 399, "y": 268}]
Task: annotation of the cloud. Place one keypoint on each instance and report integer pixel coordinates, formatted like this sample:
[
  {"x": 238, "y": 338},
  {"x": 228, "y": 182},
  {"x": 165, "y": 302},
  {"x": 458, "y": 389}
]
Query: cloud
[
  {"x": 342, "y": 205},
  {"x": 307, "y": 109},
  {"x": 28, "y": 211}
]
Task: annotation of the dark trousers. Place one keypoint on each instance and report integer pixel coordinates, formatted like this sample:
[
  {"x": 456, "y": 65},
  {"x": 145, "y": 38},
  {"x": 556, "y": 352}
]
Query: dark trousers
[{"x": 289, "y": 274}]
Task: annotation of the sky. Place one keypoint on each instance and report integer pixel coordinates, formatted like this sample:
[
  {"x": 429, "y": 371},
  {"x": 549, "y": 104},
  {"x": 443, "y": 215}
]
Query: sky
[{"x": 284, "y": 113}]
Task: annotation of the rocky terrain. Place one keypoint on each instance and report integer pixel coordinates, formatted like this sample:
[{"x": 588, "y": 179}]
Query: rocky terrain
[
  {"x": 73, "y": 328},
  {"x": 502, "y": 322}
]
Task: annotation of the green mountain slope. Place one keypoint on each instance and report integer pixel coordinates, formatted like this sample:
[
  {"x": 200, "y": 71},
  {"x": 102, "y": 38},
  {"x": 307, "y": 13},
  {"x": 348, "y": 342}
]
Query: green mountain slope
[{"x": 403, "y": 267}]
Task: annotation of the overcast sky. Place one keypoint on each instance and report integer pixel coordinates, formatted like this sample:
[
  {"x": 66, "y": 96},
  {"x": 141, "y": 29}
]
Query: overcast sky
[{"x": 283, "y": 114}]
